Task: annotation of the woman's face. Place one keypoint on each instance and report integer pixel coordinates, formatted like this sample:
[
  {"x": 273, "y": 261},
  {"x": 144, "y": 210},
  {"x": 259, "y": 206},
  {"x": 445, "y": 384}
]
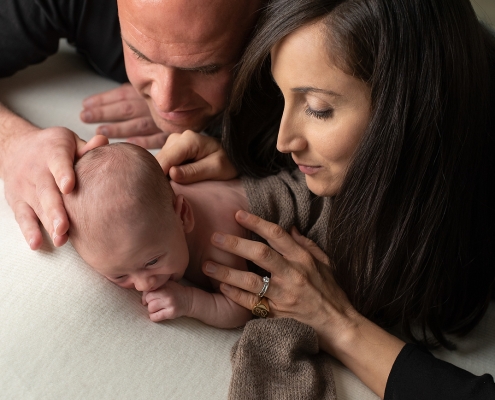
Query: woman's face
[{"x": 326, "y": 111}]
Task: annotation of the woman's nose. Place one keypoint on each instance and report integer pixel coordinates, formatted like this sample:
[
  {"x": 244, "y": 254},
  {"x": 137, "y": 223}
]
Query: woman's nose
[{"x": 289, "y": 138}]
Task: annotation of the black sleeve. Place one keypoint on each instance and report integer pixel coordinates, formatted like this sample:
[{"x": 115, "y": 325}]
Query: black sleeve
[
  {"x": 416, "y": 374},
  {"x": 30, "y": 31}
]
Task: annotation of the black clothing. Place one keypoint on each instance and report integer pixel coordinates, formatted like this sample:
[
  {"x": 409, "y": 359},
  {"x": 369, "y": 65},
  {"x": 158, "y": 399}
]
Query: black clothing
[
  {"x": 30, "y": 31},
  {"x": 416, "y": 374}
]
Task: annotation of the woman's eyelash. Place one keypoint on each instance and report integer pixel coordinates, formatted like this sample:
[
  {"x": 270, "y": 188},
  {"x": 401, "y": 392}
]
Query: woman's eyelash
[{"x": 319, "y": 114}]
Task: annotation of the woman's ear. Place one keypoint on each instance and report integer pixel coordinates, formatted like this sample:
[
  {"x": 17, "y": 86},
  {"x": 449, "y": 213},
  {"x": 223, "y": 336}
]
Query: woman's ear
[{"x": 184, "y": 211}]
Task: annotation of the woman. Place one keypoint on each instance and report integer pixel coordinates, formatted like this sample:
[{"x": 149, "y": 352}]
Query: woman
[{"x": 386, "y": 112}]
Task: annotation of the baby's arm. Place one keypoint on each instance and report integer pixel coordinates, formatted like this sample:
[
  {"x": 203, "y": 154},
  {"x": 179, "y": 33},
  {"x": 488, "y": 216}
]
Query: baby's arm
[{"x": 174, "y": 300}]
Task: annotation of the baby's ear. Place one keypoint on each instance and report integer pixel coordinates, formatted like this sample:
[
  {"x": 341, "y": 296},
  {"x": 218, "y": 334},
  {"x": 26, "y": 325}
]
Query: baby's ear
[{"x": 184, "y": 211}]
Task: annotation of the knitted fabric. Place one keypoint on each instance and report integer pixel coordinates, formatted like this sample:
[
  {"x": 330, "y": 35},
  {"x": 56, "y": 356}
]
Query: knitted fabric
[
  {"x": 279, "y": 359},
  {"x": 286, "y": 200}
]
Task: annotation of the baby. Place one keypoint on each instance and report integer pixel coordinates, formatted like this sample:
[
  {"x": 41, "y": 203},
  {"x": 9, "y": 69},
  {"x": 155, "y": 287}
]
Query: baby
[{"x": 133, "y": 226}]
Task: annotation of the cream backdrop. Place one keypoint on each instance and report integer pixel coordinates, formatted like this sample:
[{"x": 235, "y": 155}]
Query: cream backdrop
[{"x": 67, "y": 333}]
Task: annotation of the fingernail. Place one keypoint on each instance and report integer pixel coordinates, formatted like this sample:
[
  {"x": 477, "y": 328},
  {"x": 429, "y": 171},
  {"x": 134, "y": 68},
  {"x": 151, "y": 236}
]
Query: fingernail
[
  {"x": 103, "y": 131},
  {"x": 226, "y": 287},
  {"x": 179, "y": 173},
  {"x": 87, "y": 115},
  {"x": 242, "y": 214},
  {"x": 64, "y": 182},
  {"x": 218, "y": 238},
  {"x": 56, "y": 223},
  {"x": 88, "y": 102},
  {"x": 31, "y": 241},
  {"x": 210, "y": 268}
]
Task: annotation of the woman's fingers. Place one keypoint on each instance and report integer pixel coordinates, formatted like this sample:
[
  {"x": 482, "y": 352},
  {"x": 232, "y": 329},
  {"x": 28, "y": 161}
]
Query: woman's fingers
[
  {"x": 275, "y": 235},
  {"x": 247, "y": 281},
  {"x": 310, "y": 246},
  {"x": 244, "y": 299}
]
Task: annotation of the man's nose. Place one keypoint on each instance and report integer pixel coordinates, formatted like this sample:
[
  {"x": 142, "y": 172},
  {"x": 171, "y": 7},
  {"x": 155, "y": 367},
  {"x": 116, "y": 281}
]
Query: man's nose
[{"x": 169, "y": 89}]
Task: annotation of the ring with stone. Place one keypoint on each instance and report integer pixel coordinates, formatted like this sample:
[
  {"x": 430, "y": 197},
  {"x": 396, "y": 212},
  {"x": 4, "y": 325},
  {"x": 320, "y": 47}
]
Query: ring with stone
[
  {"x": 266, "y": 283},
  {"x": 261, "y": 308}
]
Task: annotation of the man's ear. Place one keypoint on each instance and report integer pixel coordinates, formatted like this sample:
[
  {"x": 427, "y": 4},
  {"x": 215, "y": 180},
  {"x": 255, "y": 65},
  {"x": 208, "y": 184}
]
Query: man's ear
[{"x": 184, "y": 211}]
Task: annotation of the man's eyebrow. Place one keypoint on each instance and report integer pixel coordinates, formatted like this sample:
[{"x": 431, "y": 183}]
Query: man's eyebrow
[
  {"x": 310, "y": 89},
  {"x": 136, "y": 51},
  {"x": 205, "y": 69}
]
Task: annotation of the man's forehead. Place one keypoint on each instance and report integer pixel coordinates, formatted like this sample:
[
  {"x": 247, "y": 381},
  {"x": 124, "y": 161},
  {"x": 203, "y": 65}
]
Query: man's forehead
[{"x": 186, "y": 21}]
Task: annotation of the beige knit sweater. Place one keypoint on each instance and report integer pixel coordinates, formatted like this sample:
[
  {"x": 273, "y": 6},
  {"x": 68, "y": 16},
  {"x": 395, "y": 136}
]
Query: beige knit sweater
[{"x": 279, "y": 358}]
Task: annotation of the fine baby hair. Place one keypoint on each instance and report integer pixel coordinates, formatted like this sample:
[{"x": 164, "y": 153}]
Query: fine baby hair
[{"x": 117, "y": 185}]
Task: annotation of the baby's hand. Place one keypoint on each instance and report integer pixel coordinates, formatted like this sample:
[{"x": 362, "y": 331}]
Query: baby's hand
[{"x": 169, "y": 302}]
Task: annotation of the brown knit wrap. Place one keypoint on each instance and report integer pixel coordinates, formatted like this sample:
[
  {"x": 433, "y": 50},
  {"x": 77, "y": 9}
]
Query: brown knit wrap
[
  {"x": 279, "y": 359},
  {"x": 286, "y": 200}
]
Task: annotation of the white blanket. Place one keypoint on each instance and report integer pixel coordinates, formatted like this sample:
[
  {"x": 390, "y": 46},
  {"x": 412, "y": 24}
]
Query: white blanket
[{"x": 67, "y": 333}]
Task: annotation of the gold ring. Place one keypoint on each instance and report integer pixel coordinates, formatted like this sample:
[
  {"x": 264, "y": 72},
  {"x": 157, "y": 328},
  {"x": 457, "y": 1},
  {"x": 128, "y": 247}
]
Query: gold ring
[{"x": 261, "y": 308}]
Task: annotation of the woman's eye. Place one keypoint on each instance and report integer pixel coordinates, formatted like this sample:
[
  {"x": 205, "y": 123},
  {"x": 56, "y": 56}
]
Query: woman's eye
[
  {"x": 153, "y": 262},
  {"x": 319, "y": 114}
]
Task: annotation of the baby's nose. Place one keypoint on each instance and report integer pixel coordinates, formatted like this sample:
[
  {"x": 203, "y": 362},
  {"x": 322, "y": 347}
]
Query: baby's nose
[{"x": 145, "y": 284}]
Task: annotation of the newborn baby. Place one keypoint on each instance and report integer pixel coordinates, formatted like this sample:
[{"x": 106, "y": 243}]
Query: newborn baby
[{"x": 133, "y": 226}]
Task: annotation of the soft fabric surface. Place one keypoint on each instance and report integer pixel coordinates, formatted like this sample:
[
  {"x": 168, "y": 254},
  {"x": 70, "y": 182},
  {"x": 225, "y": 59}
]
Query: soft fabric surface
[
  {"x": 67, "y": 333},
  {"x": 279, "y": 359}
]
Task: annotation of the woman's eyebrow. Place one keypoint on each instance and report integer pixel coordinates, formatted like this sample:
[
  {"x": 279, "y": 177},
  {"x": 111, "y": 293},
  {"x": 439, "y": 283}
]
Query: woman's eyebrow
[{"x": 310, "y": 89}]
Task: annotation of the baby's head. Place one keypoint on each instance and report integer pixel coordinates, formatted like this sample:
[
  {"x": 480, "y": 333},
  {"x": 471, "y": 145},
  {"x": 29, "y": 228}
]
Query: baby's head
[{"x": 125, "y": 220}]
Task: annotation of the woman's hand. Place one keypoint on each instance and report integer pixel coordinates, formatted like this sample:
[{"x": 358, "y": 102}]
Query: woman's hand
[
  {"x": 192, "y": 157},
  {"x": 302, "y": 287}
]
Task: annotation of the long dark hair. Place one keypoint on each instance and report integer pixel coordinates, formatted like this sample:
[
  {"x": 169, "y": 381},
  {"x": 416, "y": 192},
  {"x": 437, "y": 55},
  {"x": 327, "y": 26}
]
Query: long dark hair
[{"x": 412, "y": 229}]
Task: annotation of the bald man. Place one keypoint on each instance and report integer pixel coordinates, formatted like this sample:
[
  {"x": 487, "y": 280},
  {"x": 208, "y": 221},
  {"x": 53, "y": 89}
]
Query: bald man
[{"x": 179, "y": 56}]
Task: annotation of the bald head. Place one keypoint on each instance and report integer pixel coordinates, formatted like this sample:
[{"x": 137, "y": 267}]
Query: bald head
[{"x": 180, "y": 55}]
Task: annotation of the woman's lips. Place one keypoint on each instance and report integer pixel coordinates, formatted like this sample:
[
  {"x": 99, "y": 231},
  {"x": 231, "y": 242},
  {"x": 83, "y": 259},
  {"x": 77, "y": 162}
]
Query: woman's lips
[{"x": 308, "y": 169}]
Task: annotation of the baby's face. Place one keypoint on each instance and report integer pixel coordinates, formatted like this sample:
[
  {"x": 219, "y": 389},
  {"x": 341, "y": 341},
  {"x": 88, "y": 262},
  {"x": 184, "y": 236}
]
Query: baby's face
[{"x": 143, "y": 258}]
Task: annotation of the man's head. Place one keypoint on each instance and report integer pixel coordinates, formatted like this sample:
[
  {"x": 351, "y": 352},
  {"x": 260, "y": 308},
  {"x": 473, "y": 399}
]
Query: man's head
[
  {"x": 179, "y": 55},
  {"x": 125, "y": 220}
]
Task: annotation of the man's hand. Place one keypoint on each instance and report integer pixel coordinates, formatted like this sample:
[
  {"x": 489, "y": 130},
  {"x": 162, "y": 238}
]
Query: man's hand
[
  {"x": 191, "y": 157},
  {"x": 130, "y": 116},
  {"x": 37, "y": 165}
]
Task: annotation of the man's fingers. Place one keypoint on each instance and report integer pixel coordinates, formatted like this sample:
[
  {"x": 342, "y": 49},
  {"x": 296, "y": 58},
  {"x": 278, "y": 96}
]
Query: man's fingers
[
  {"x": 51, "y": 208},
  {"x": 114, "y": 112},
  {"x": 139, "y": 126},
  {"x": 123, "y": 92},
  {"x": 61, "y": 161},
  {"x": 155, "y": 141},
  {"x": 28, "y": 222},
  {"x": 94, "y": 142},
  {"x": 176, "y": 150}
]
